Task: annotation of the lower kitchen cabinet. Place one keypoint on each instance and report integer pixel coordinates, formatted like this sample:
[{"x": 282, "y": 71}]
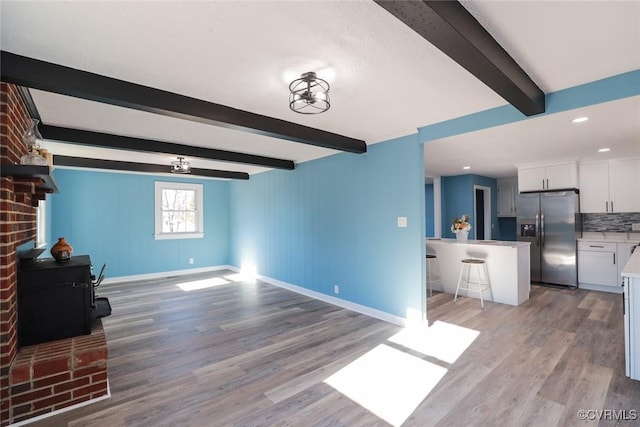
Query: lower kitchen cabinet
[{"x": 598, "y": 265}]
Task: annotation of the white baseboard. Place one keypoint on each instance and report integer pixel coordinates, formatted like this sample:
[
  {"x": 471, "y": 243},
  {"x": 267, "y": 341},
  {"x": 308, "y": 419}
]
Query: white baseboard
[
  {"x": 610, "y": 289},
  {"x": 68, "y": 408},
  {"x": 163, "y": 274},
  {"x": 358, "y": 308}
]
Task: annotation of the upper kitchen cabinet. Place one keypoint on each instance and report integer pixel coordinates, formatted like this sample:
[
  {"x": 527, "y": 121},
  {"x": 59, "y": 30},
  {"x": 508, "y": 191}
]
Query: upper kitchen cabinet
[
  {"x": 507, "y": 193},
  {"x": 548, "y": 177},
  {"x": 610, "y": 186}
]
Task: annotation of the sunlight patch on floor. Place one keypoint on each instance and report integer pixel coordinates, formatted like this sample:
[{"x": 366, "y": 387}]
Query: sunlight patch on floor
[
  {"x": 237, "y": 277},
  {"x": 388, "y": 382},
  {"x": 442, "y": 340},
  {"x": 202, "y": 284}
]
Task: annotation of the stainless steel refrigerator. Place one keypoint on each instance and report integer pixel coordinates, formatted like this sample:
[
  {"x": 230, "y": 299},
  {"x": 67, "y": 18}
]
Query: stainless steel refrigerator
[{"x": 551, "y": 221}]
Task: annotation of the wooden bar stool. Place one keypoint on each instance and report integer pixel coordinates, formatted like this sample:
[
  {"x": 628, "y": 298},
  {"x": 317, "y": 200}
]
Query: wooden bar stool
[
  {"x": 474, "y": 286},
  {"x": 432, "y": 263}
]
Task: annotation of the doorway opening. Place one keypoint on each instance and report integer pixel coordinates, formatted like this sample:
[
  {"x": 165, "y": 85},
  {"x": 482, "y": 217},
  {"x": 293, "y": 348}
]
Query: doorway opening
[{"x": 482, "y": 212}]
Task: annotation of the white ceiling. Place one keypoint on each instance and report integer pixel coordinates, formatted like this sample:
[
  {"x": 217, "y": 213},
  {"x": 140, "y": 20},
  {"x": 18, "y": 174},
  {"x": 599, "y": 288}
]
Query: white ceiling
[
  {"x": 385, "y": 80},
  {"x": 496, "y": 152}
]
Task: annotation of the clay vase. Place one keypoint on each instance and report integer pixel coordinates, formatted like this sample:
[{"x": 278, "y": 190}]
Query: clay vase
[{"x": 62, "y": 250}]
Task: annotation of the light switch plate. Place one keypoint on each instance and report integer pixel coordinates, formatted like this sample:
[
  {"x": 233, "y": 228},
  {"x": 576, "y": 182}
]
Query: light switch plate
[
  {"x": 402, "y": 221},
  {"x": 635, "y": 227}
]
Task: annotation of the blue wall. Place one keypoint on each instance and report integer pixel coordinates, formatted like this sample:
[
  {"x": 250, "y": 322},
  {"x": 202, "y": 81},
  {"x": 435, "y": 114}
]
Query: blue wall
[
  {"x": 110, "y": 216},
  {"x": 457, "y": 199},
  {"x": 429, "y": 206},
  {"x": 333, "y": 221},
  {"x": 507, "y": 227}
]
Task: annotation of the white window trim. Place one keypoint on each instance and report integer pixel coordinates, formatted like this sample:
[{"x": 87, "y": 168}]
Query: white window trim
[{"x": 159, "y": 186}]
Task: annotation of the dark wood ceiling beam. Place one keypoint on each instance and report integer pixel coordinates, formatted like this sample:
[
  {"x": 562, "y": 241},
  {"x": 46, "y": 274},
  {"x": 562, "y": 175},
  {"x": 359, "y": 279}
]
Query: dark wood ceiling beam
[
  {"x": 83, "y": 162},
  {"x": 105, "y": 140},
  {"x": 452, "y": 29},
  {"x": 28, "y": 102},
  {"x": 56, "y": 78}
]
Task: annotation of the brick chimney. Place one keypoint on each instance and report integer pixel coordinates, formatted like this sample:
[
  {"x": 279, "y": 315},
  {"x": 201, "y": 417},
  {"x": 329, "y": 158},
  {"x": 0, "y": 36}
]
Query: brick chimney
[{"x": 17, "y": 225}]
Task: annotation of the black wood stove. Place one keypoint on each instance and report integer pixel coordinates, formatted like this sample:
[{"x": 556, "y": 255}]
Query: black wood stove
[{"x": 57, "y": 300}]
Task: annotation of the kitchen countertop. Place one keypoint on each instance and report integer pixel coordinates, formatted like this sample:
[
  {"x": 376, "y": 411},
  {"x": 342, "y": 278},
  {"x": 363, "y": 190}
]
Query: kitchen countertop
[
  {"x": 479, "y": 242},
  {"x": 630, "y": 237},
  {"x": 632, "y": 267}
]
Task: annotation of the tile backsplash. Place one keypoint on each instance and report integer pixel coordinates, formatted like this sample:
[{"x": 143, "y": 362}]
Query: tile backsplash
[{"x": 614, "y": 222}]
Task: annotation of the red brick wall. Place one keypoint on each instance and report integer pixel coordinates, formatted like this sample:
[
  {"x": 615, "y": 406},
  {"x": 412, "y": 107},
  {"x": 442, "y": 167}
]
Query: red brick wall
[
  {"x": 17, "y": 225},
  {"x": 54, "y": 375},
  {"x": 34, "y": 380}
]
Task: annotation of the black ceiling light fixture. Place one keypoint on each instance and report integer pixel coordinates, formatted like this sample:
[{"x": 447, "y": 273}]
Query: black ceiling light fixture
[
  {"x": 180, "y": 166},
  {"x": 309, "y": 94}
]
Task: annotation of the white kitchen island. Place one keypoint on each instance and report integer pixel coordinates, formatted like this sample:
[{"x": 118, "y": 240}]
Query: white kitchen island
[
  {"x": 631, "y": 277},
  {"x": 507, "y": 262}
]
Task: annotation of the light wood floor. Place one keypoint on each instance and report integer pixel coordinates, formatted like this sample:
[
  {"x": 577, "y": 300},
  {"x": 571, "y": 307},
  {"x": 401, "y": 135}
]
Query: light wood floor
[{"x": 257, "y": 355}]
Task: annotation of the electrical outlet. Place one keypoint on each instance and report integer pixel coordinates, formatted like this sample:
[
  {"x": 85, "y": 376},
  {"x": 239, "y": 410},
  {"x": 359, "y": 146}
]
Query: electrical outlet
[
  {"x": 336, "y": 289},
  {"x": 190, "y": 260},
  {"x": 635, "y": 227}
]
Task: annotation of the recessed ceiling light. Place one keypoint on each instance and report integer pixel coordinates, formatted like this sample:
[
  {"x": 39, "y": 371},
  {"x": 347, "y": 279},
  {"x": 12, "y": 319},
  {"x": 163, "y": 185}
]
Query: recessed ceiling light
[
  {"x": 580, "y": 119},
  {"x": 466, "y": 167},
  {"x": 604, "y": 150}
]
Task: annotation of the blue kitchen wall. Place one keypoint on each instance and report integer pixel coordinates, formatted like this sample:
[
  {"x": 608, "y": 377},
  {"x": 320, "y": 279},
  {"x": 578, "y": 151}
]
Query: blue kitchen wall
[
  {"x": 457, "y": 199},
  {"x": 507, "y": 226},
  {"x": 333, "y": 221},
  {"x": 110, "y": 216},
  {"x": 429, "y": 206}
]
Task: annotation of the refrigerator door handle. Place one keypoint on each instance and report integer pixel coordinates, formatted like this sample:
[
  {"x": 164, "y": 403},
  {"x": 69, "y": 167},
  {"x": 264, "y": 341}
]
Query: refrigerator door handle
[
  {"x": 537, "y": 229},
  {"x": 542, "y": 231},
  {"x": 606, "y": 204}
]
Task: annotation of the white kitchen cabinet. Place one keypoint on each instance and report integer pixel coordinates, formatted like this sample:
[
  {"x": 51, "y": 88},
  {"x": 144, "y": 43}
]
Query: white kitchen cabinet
[
  {"x": 548, "y": 177},
  {"x": 531, "y": 179},
  {"x": 631, "y": 326},
  {"x": 507, "y": 193},
  {"x": 623, "y": 254},
  {"x": 597, "y": 264},
  {"x": 610, "y": 186},
  {"x": 624, "y": 177},
  {"x": 631, "y": 278},
  {"x": 594, "y": 187}
]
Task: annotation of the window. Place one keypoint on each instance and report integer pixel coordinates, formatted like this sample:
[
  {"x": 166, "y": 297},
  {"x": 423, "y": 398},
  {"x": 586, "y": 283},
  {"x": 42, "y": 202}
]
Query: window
[{"x": 178, "y": 211}]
